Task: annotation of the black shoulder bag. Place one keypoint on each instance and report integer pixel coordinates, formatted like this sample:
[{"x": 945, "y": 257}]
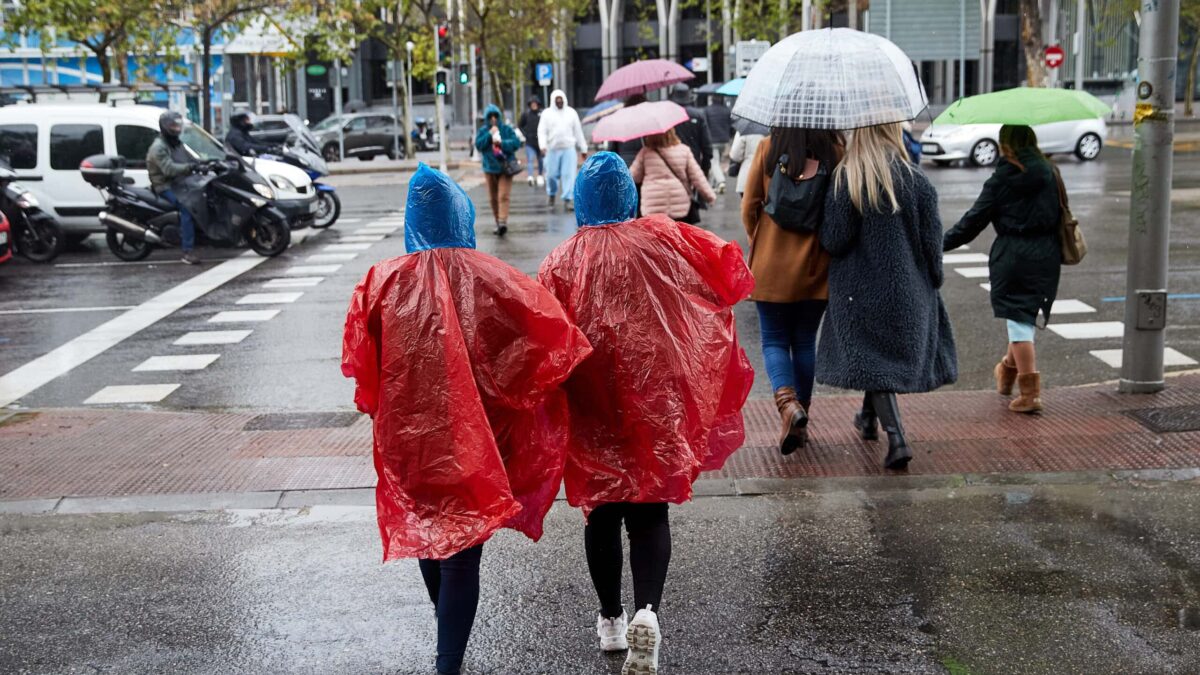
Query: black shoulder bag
[{"x": 797, "y": 204}]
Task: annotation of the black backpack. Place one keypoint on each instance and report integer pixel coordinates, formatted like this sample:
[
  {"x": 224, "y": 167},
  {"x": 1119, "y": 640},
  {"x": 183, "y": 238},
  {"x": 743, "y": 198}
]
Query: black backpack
[{"x": 796, "y": 205}]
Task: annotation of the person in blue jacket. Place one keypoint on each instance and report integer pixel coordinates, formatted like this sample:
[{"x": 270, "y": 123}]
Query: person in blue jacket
[{"x": 498, "y": 144}]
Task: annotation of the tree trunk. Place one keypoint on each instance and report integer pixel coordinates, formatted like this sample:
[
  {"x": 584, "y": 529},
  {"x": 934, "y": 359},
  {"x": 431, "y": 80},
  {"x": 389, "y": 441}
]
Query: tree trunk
[
  {"x": 106, "y": 73},
  {"x": 1188, "y": 107},
  {"x": 205, "y": 97},
  {"x": 1035, "y": 48}
]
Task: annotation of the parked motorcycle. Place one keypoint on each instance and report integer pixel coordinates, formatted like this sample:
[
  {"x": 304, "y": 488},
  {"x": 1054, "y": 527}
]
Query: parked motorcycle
[
  {"x": 305, "y": 156},
  {"x": 238, "y": 199},
  {"x": 35, "y": 233}
]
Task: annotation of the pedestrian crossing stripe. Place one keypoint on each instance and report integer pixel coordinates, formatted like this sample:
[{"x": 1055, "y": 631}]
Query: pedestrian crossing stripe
[
  {"x": 131, "y": 393},
  {"x": 176, "y": 362},
  {"x": 1171, "y": 357}
]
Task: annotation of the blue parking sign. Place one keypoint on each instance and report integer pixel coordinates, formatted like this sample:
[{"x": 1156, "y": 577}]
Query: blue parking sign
[{"x": 544, "y": 73}]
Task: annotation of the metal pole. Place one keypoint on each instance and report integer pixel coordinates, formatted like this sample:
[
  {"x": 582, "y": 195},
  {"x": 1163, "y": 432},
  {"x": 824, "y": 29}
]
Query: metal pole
[
  {"x": 962, "y": 48},
  {"x": 1081, "y": 41},
  {"x": 805, "y": 14},
  {"x": 337, "y": 107},
  {"x": 1150, "y": 200},
  {"x": 395, "y": 108},
  {"x": 440, "y": 107},
  {"x": 409, "y": 148},
  {"x": 708, "y": 38},
  {"x": 887, "y": 20},
  {"x": 852, "y": 14}
]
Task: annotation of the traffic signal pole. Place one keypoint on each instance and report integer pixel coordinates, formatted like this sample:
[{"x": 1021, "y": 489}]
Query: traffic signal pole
[
  {"x": 440, "y": 102},
  {"x": 1150, "y": 200}
]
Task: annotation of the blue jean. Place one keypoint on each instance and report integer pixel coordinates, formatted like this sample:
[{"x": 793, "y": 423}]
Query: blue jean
[
  {"x": 533, "y": 157},
  {"x": 453, "y": 586},
  {"x": 187, "y": 224},
  {"x": 789, "y": 343},
  {"x": 561, "y": 165},
  {"x": 1020, "y": 332}
]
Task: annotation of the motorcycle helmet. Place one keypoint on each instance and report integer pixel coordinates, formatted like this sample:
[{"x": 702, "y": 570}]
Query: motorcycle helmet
[
  {"x": 170, "y": 125},
  {"x": 243, "y": 119}
]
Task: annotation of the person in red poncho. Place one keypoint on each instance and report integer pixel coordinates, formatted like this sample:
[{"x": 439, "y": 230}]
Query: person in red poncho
[
  {"x": 458, "y": 358},
  {"x": 660, "y": 398}
]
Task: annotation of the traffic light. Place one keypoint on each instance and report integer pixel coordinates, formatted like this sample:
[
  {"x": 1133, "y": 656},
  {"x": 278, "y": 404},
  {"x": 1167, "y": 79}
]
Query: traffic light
[
  {"x": 443, "y": 41},
  {"x": 464, "y": 74},
  {"x": 441, "y": 83}
]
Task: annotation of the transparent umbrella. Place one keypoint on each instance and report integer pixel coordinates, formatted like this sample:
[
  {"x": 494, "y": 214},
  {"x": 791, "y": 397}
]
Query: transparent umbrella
[{"x": 834, "y": 78}]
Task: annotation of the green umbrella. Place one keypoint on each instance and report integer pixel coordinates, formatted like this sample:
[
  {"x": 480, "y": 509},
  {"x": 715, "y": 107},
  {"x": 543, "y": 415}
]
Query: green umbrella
[{"x": 1024, "y": 105}]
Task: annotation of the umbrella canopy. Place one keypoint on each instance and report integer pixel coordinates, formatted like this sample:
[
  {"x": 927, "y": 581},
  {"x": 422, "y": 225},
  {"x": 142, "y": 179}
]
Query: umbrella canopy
[
  {"x": 1024, "y": 105},
  {"x": 597, "y": 112},
  {"x": 640, "y": 77},
  {"x": 732, "y": 87},
  {"x": 708, "y": 89},
  {"x": 835, "y": 78},
  {"x": 643, "y": 119}
]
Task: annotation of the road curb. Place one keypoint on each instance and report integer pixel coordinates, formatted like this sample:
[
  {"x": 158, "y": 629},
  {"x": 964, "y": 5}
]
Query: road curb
[
  {"x": 368, "y": 168},
  {"x": 703, "y": 489}
]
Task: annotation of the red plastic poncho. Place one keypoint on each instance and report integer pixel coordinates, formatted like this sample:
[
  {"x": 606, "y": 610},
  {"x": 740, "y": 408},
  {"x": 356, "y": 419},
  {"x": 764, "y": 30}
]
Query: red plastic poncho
[
  {"x": 660, "y": 398},
  {"x": 458, "y": 358}
]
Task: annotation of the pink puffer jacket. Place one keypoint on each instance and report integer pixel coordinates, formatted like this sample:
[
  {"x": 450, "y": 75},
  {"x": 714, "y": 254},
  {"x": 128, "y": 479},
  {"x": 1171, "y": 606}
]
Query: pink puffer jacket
[{"x": 662, "y": 192}]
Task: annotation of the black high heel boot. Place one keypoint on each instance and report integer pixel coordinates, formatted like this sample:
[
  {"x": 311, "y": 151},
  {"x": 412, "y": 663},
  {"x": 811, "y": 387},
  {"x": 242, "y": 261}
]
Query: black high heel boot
[
  {"x": 889, "y": 414},
  {"x": 866, "y": 422}
]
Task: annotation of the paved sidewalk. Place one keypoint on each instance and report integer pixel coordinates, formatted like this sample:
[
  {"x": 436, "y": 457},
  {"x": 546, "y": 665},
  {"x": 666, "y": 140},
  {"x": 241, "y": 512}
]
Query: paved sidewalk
[{"x": 106, "y": 452}]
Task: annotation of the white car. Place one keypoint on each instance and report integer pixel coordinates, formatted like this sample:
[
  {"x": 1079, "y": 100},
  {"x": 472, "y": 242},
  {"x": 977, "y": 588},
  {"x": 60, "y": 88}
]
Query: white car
[
  {"x": 977, "y": 143},
  {"x": 46, "y": 142}
]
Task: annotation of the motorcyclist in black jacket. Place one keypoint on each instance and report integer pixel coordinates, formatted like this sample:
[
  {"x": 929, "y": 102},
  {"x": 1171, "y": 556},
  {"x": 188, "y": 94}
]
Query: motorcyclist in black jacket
[{"x": 239, "y": 138}]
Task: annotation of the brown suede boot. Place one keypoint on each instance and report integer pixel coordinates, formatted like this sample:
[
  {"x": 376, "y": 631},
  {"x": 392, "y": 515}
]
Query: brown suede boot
[
  {"x": 794, "y": 420},
  {"x": 1006, "y": 376},
  {"x": 1030, "y": 399}
]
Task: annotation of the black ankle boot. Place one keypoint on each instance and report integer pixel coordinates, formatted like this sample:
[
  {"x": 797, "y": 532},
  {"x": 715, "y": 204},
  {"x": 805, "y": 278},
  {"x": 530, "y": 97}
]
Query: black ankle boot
[
  {"x": 888, "y": 410},
  {"x": 866, "y": 422}
]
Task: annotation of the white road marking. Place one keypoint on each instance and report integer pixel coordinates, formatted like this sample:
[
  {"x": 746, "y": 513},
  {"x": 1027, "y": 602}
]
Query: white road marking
[
  {"x": 114, "y": 263},
  {"x": 65, "y": 310},
  {"x": 1171, "y": 357},
  {"x": 330, "y": 257},
  {"x": 247, "y": 315},
  {"x": 132, "y": 393},
  {"x": 176, "y": 362},
  {"x": 964, "y": 247},
  {"x": 363, "y": 239},
  {"x": 1085, "y": 331},
  {"x": 270, "y": 298},
  {"x": 29, "y": 377},
  {"x": 348, "y": 221},
  {"x": 972, "y": 272},
  {"x": 304, "y": 270},
  {"x": 344, "y": 248},
  {"x": 986, "y": 287},
  {"x": 1071, "y": 307},
  {"x": 212, "y": 337},
  {"x": 294, "y": 282},
  {"x": 959, "y": 258}
]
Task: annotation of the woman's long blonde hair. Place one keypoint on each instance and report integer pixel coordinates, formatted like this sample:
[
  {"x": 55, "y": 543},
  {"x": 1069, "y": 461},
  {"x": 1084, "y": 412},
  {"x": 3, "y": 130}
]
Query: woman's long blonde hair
[{"x": 866, "y": 169}]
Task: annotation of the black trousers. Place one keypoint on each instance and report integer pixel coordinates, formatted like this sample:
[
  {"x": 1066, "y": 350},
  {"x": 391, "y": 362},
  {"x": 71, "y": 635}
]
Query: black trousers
[
  {"x": 649, "y": 553},
  {"x": 453, "y": 586}
]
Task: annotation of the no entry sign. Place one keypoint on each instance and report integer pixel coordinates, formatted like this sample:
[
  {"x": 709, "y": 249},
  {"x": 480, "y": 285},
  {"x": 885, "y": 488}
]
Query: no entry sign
[{"x": 1055, "y": 56}]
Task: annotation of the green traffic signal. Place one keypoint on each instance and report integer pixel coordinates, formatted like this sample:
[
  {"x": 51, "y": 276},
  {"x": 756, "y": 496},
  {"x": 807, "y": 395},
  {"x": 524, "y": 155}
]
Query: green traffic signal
[
  {"x": 464, "y": 74},
  {"x": 441, "y": 83}
]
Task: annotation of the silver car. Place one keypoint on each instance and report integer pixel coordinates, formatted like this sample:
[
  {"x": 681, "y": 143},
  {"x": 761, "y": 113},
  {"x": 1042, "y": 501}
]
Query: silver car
[{"x": 977, "y": 143}]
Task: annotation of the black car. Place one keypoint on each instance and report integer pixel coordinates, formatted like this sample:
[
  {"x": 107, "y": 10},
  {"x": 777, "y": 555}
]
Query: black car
[{"x": 364, "y": 135}]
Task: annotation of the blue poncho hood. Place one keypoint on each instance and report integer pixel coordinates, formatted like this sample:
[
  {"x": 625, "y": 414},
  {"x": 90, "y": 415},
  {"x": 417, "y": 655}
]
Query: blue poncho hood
[
  {"x": 604, "y": 191},
  {"x": 438, "y": 214}
]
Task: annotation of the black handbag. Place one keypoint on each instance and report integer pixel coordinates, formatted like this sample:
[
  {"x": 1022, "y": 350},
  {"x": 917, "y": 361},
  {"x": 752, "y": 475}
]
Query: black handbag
[
  {"x": 734, "y": 168},
  {"x": 797, "y": 204},
  {"x": 512, "y": 165}
]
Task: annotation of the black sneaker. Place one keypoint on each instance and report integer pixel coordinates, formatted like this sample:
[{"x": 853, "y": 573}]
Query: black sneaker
[
  {"x": 550, "y": 201},
  {"x": 568, "y": 205},
  {"x": 501, "y": 229},
  {"x": 190, "y": 258}
]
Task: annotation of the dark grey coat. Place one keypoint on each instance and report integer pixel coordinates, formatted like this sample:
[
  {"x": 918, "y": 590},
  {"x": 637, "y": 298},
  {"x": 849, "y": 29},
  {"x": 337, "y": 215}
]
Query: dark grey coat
[{"x": 886, "y": 328}]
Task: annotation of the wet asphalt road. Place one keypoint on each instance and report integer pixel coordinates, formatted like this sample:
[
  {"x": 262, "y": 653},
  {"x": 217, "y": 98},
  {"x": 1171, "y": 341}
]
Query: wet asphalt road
[
  {"x": 1024, "y": 578},
  {"x": 290, "y": 362}
]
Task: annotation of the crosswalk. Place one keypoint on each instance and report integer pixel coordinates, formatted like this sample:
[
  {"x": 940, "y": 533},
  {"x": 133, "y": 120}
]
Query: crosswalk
[
  {"x": 965, "y": 264},
  {"x": 231, "y": 325}
]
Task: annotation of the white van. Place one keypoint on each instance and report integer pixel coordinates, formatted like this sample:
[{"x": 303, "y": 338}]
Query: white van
[{"x": 46, "y": 142}]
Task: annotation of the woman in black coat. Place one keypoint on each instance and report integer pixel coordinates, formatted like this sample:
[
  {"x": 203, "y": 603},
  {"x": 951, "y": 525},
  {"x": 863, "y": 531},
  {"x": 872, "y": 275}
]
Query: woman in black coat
[
  {"x": 1021, "y": 200},
  {"x": 886, "y": 331}
]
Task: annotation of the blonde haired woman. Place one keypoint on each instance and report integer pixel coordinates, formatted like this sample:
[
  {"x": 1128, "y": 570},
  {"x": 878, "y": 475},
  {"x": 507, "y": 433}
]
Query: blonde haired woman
[
  {"x": 886, "y": 331},
  {"x": 668, "y": 173}
]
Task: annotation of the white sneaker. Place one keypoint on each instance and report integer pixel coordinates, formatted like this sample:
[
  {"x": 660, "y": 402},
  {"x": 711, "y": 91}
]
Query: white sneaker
[
  {"x": 644, "y": 638},
  {"x": 541, "y": 181},
  {"x": 531, "y": 181},
  {"x": 612, "y": 633}
]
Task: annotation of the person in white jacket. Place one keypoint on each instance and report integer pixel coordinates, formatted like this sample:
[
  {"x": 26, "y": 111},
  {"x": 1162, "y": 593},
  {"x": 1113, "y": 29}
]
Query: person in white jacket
[{"x": 561, "y": 139}]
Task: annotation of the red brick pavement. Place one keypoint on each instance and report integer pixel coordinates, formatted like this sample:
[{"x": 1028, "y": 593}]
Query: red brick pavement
[{"x": 98, "y": 452}]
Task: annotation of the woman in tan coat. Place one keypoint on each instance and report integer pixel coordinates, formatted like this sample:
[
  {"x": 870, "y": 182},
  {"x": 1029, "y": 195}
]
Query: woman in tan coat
[
  {"x": 791, "y": 273},
  {"x": 668, "y": 173}
]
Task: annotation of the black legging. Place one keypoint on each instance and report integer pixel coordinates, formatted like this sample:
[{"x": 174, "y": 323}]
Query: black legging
[
  {"x": 453, "y": 586},
  {"x": 649, "y": 553}
]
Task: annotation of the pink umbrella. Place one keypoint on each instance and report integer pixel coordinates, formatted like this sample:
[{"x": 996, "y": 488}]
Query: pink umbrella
[
  {"x": 643, "y": 119},
  {"x": 642, "y": 76}
]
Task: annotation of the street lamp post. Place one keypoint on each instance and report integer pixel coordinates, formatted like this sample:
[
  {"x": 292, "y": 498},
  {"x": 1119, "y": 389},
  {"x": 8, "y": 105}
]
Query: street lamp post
[
  {"x": 410, "y": 151},
  {"x": 1150, "y": 200}
]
